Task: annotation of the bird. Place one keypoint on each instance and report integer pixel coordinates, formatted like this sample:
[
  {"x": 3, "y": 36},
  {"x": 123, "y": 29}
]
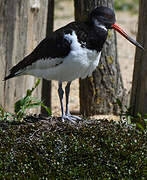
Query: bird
[{"x": 71, "y": 52}]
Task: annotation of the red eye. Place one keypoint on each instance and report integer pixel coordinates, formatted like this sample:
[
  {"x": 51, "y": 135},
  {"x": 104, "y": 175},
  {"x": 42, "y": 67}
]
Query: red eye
[{"x": 108, "y": 16}]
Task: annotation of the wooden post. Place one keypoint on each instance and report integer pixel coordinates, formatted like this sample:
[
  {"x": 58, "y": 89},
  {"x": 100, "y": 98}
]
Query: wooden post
[
  {"x": 23, "y": 26},
  {"x": 98, "y": 93},
  {"x": 139, "y": 88},
  {"x": 46, "y": 85}
]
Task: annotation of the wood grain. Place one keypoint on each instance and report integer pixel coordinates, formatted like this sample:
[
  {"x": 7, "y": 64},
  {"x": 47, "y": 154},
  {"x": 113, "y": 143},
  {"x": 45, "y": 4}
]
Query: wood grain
[
  {"x": 98, "y": 93},
  {"x": 21, "y": 29},
  {"x": 139, "y": 88}
]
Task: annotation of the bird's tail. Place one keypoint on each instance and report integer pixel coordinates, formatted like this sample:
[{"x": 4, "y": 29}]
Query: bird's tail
[
  {"x": 8, "y": 77},
  {"x": 11, "y": 75}
]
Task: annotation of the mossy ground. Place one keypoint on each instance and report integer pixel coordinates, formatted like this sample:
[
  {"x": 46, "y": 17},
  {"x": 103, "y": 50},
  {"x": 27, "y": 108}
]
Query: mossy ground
[{"x": 50, "y": 149}]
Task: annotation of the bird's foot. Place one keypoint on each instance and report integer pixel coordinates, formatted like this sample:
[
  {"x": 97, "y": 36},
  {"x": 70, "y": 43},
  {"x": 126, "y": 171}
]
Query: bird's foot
[
  {"x": 75, "y": 117},
  {"x": 71, "y": 118}
]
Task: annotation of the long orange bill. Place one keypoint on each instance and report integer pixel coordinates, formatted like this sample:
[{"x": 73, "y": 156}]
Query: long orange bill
[{"x": 117, "y": 28}]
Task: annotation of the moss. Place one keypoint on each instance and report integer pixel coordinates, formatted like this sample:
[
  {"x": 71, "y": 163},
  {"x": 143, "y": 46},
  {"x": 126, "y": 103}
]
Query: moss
[
  {"x": 110, "y": 59},
  {"x": 101, "y": 66},
  {"x": 109, "y": 34},
  {"x": 99, "y": 100},
  {"x": 112, "y": 80},
  {"x": 93, "y": 149}
]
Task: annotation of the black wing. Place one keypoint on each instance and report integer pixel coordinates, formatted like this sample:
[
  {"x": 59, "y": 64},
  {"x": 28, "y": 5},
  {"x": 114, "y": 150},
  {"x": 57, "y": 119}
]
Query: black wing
[{"x": 54, "y": 46}]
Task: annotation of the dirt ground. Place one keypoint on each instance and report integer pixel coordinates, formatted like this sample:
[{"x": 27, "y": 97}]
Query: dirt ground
[{"x": 64, "y": 14}]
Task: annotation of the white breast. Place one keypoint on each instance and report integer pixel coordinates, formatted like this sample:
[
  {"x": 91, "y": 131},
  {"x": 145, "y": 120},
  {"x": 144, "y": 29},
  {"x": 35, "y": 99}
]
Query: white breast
[{"x": 79, "y": 63}]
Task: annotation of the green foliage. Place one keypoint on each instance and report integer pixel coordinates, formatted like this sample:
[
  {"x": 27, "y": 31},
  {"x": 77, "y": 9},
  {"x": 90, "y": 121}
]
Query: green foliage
[
  {"x": 22, "y": 105},
  {"x": 94, "y": 150},
  {"x": 28, "y": 102},
  {"x": 5, "y": 116},
  {"x": 139, "y": 120},
  {"x": 123, "y": 5}
]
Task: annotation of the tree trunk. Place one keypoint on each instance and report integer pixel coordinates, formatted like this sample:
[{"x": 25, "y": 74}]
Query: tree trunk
[
  {"x": 22, "y": 26},
  {"x": 98, "y": 93},
  {"x": 46, "y": 85},
  {"x": 139, "y": 88}
]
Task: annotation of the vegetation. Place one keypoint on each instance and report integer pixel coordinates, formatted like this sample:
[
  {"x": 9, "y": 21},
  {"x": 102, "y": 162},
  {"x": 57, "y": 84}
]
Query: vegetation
[
  {"x": 139, "y": 120},
  {"x": 22, "y": 105},
  {"x": 49, "y": 149},
  {"x": 38, "y": 148},
  {"x": 127, "y": 5},
  {"x": 121, "y": 5}
]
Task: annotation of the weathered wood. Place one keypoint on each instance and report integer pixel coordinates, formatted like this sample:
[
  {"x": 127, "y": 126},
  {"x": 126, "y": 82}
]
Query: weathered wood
[
  {"x": 46, "y": 85},
  {"x": 98, "y": 93},
  {"x": 139, "y": 88},
  {"x": 22, "y": 26}
]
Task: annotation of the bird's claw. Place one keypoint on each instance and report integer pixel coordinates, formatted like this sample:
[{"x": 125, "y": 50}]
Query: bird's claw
[{"x": 71, "y": 118}]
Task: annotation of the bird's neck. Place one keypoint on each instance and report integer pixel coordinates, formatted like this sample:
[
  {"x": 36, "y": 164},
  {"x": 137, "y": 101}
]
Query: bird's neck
[
  {"x": 99, "y": 25},
  {"x": 97, "y": 35},
  {"x": 94, "y": 23}
]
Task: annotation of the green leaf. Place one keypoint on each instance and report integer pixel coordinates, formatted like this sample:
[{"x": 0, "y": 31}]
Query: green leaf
[
  {"x": 29, "y": 102},
  {"x": 139, "y": 115},
  {"x": 20, "y": 103},
  {"x": 33, "y": 105},
  {"x": 119, "y": 103},
  {"x": 129, "y": 119},
  {"x": 47, "y": 109},
  {"x": 17, "y": 106},
  {"x": 145, "y": 116},
  {"x": 36, "y": 84},
  {"x": 145, "y": 120},
  {"x": 36, "y": 100},
  {"x": 139, "y": 125},
  {"x": 2, "y": 111},
  {"x": 29, "y": 92}
]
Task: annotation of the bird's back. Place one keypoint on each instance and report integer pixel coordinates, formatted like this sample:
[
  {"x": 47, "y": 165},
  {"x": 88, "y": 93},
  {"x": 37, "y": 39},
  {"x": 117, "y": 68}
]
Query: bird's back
[{"x": 58, "y": 46}]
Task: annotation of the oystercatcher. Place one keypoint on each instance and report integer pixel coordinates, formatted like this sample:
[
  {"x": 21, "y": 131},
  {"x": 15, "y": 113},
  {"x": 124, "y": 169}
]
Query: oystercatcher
[{"x": 70, "y": 52}]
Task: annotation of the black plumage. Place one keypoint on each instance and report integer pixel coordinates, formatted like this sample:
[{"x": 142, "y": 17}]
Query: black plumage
[
  {"x": 70, "y": 52},
  {"x": 57, "y": 46}
]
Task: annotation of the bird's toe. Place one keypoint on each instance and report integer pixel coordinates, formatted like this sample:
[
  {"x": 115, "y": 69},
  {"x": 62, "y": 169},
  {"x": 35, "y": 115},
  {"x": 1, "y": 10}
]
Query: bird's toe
[
  {"x": 72, "y": 118},
  {"x": 75, "y": 117}
]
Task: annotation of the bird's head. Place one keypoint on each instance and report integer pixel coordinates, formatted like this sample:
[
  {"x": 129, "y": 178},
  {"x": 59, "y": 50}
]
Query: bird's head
[{"x": 105, "y": 17}]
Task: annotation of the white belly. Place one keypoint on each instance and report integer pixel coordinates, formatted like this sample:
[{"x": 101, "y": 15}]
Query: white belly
[{"x": 79, "y": 63}]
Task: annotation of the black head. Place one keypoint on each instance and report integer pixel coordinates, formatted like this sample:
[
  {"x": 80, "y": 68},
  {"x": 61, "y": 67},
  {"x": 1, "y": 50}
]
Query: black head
[
  {"x": 106, "y": 17},
  {"x": 103, "y": 15}
]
